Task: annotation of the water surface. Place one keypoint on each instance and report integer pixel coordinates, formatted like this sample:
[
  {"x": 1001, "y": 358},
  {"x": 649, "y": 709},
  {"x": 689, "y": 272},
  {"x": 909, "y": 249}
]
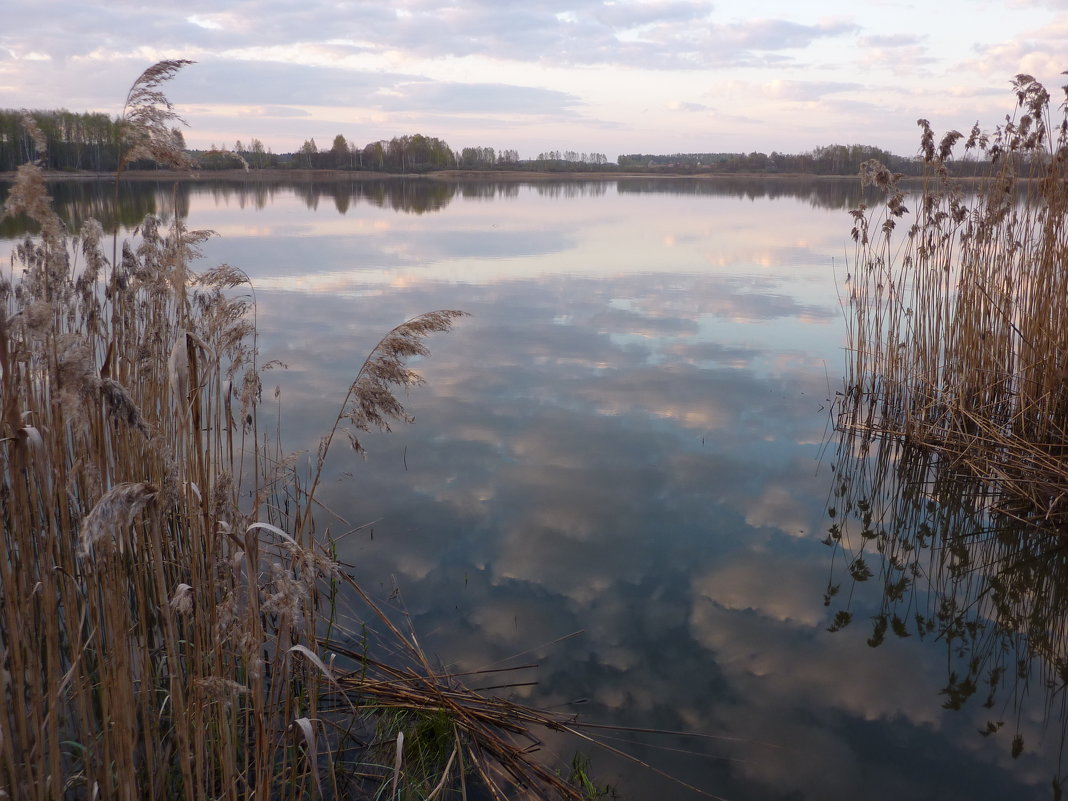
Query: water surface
[{"x": 623, "y": 443}]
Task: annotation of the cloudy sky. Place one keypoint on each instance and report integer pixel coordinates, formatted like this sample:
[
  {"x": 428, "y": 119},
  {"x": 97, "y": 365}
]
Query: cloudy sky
[{"x": 612, "y": 76}]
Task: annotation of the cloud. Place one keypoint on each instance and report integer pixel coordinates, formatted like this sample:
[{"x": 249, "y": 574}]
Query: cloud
[
  {"x": 806, "y": 90},
  {"x": 891, "y": 40},
  {"x": 625, "y": 16},
  {"x": 669, "y": 34},
  {"x": 1038, "y": 52},
  {"x": 690, "y": 44},
  {"x": 774, "y": 34},
  {"x": 212, "y": 22},
  {"x": 790, "y": 661},
  {"x": 275, "y": 111},
  {"x": 1052, "y": 4},
  {"x": 229, "y": 82},
  {"x": 477, "y": 98},
  {"x": 680, "y": 105}
]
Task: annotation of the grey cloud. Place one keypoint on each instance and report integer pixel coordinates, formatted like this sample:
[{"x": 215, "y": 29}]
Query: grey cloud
[
  {"x": 677, "y": 34},
  {"x": 484, "y": 98},
  {"x": 247, "y": 82},
  {"x": 633, "y": 15},
  {"x": 77, "y": 29},
  {"x": 535, "y": 32},
  {"x": 771, "y": 34},
  {"x": 740, "y": 582},
  {"x": 632, "y": 322},
  {"x": 734, "y": 298},
  {"x": 526, "y": 33}
]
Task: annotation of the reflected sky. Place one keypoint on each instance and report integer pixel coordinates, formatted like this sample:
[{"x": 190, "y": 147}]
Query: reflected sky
[{"x": 623, "y": 440}]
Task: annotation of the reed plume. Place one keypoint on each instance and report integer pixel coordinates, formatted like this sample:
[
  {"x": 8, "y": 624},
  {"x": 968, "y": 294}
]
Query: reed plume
[{"x": 147, "y": 124}]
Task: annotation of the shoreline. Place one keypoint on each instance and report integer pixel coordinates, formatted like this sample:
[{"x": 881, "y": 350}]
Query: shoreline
[{"x": 312, "y": 176}]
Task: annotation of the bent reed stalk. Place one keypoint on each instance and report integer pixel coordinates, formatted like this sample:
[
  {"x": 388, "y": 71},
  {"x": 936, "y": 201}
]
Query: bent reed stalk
[{"x": 163, "y": 623}]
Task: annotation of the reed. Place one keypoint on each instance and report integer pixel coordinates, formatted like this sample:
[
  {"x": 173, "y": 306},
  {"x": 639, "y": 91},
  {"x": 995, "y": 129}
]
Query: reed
[
  {"x": 958, "y": 322},
  {"x": 952, "y": 462},
  {"x": 170, "y": 623}
]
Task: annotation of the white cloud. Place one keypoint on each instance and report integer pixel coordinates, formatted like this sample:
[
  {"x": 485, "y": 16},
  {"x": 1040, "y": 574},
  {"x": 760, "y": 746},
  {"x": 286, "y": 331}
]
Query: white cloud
[{"x": 211, "y": 22}]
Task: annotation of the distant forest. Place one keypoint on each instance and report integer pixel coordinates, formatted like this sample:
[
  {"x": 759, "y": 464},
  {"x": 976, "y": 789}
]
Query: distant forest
[{"x": 90, "y": 141}]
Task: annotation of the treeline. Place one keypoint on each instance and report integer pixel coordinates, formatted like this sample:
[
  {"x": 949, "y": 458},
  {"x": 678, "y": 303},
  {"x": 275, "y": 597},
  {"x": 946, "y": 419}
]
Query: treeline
[
  {"x": 415, "y": 153},
  {"x": 90, "y": 141},
  {"x": 74, "y": 141},
  {"x": 827, "y": 160}
]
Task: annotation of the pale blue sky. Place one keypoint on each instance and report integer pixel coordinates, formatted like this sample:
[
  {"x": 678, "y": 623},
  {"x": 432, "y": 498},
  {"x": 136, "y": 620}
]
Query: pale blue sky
[{"x": 618, "y": 76}]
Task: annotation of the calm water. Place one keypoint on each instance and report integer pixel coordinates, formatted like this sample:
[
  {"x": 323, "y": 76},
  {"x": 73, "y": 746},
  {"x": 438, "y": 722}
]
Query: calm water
[{"x": 623, "y": 444}]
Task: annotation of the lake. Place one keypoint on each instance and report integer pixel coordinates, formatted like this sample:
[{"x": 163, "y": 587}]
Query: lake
[{"x": 619, "y": 468}]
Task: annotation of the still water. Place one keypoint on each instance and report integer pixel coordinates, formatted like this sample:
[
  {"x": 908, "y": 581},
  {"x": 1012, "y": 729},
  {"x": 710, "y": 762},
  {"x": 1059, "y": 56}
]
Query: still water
[{"x": 617, "y": 468}]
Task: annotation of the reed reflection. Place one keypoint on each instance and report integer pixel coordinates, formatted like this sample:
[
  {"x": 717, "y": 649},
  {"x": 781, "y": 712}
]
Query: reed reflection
[{"x": 952, "y": 569}]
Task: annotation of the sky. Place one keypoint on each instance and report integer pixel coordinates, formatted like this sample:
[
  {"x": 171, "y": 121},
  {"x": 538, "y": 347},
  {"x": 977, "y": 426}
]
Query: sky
[{"x": 605, "y": 76}]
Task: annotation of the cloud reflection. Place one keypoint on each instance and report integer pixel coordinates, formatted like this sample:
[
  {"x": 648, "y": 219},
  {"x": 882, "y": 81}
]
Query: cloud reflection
[{"x": 620, "y": 441}]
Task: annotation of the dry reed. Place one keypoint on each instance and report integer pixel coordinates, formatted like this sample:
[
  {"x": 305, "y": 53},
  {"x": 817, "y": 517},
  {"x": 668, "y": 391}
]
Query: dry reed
[
  {"x": 160, "y": 639},
  {"x": 952, "y": 463},
  {"x": 959, "y": 330}
]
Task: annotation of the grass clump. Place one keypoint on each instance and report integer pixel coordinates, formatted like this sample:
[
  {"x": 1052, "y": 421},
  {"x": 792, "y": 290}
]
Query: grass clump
[{"x": 169, "y": 622}]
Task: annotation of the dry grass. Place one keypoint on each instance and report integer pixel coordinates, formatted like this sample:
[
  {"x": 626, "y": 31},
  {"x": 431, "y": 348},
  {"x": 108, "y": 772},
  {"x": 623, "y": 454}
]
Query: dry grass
[
  {"x": 953, "y": 428},
  {"x": 164, "y": 603}
]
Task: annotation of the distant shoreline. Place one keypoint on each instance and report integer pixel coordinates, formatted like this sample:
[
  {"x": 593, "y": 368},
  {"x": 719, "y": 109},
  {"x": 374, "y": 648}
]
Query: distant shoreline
[{"x": 309, "y": 176}]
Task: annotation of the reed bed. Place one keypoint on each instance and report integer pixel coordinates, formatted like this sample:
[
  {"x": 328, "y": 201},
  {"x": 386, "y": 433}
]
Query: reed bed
[
  {"x": 952, "y": 460},
  {"x": 170, "y": 622},
  {"x": 958, "y": 320}
]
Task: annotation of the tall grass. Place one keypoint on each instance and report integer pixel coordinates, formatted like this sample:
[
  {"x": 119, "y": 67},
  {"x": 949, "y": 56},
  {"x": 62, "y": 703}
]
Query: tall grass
[
  {"x": 952, "y": 460},
  {"x": 169, "y": 622}
]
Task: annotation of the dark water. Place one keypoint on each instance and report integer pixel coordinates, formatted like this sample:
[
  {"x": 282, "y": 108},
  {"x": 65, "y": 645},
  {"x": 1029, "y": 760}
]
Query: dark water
[{"x": 623, "y": 443}]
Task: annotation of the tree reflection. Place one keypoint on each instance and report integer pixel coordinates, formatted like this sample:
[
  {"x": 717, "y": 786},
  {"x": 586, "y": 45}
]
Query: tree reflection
[
  {"x": 819, "y": 193},
  {"x": 78, "y": 201}
]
